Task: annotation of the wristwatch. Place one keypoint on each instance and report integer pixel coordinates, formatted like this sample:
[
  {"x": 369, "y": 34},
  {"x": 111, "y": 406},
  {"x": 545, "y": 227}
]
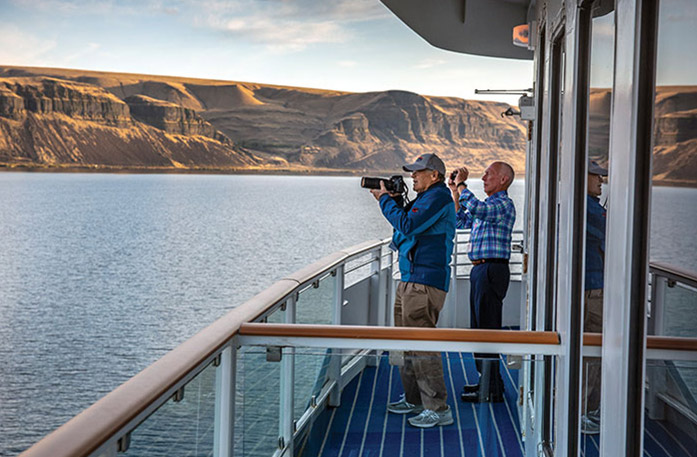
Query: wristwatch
[{"x": 461, "y": 184}]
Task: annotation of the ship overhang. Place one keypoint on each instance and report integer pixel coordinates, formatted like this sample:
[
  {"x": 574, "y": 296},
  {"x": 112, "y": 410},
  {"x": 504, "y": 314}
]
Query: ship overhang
[{"x": 480, "y": 27}]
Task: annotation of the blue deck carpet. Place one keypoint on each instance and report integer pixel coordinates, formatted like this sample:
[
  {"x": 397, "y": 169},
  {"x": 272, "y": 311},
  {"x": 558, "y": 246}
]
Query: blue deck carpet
[{"x": 361, "y": 426}]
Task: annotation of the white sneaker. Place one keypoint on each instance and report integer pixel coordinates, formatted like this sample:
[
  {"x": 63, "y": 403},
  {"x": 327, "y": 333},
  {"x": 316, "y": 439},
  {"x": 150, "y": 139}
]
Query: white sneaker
[
  {"x": 404, "y": 407},
  {"x": 429, "y": 418},
  {"x": 589, "y": 426}
]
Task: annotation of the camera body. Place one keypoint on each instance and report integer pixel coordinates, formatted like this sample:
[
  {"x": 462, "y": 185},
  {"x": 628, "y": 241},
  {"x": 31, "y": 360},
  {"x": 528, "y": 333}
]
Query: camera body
[
  {"x": 453, "y": 175},
  {"x": 395, "y": 184}
]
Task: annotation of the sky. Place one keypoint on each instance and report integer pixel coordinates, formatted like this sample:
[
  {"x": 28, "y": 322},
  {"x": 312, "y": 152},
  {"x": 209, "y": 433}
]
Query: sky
[{"x": 347, "y": 45}]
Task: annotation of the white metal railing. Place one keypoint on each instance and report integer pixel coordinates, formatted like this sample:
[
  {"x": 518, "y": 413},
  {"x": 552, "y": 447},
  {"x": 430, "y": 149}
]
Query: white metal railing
[
  {"x": 668, "y": 387},
  {"x": 462, "y": 265},
  {"x": 361, "y": 292},
  {"x": 105, "y": 428}
]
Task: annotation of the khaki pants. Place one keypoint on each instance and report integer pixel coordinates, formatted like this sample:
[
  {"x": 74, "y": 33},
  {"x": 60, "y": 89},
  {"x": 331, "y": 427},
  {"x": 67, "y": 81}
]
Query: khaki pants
[
  {"x": 418, "y": 305},
  {"x": 592, "y": 322}
]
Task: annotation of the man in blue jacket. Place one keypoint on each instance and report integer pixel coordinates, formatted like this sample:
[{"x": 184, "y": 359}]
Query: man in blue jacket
[
  {"x": 423, "y": 233},
  {"x": 596, "y": 217}
]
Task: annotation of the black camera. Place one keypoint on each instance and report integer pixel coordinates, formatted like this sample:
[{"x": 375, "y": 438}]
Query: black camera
[
  {"x": 453, "y": 175},
  {"x": 394, "y": 184}
]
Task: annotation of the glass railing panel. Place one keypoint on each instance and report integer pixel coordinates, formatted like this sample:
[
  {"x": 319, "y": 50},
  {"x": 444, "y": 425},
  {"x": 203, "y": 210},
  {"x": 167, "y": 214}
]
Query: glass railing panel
[
  {"x": 590, "y": 407},
  {"x": 679, "y": 311},
  {"x": 670, "y": 416},
  {"x": 311, "y": 374},
  {"x": 315, "y": 305},
  {"x": 361, "y": 425},
  {"x": 360, "y": 267},
  {"x": 258, "y": 400},
  {"x": 671, "y": 410},
  {"x": 185, "y": 425}
]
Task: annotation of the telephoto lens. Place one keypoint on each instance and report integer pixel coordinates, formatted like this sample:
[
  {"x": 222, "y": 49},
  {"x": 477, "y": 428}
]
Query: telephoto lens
[
  {"x": 393, "y": 184},
  {"x": 371, "y": 183}
]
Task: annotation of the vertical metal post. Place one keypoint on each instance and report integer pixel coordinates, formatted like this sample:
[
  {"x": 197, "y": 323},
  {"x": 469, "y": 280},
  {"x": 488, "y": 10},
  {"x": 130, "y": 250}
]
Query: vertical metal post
[
  {"x": 656, "y": 374},
  {"x": 225, "y": 382},
  {"x": 658, "y": 297},
  {"x": 382, "y": 289},
  {"x": 626, "y": 257},
  {"x": 389, "y": 319},
  {"x": 377, "y": 298},
  {"x": 335, "y": 360},
  {"x": 453, "y": 283},
  {"x": 286, "y": 424}
]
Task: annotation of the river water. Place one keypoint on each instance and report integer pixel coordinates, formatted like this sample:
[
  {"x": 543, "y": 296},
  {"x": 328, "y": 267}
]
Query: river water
[{"x": 104, "y": 273}]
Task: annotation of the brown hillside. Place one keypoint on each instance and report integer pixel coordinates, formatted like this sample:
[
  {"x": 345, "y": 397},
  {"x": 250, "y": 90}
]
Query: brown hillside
[
  {"x": 241, "y": 124},
  {"x": 674, "y": 136}
]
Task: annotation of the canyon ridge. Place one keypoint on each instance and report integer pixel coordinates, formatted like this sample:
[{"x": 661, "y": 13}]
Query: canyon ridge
[{"x": 85, "y": 120}]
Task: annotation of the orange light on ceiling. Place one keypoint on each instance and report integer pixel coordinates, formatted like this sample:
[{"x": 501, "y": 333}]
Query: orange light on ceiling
[{"x": 521, "y": 35}]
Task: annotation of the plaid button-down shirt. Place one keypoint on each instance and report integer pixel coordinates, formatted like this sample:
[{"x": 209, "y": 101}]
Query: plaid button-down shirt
[{"x": 491, "y": 222}]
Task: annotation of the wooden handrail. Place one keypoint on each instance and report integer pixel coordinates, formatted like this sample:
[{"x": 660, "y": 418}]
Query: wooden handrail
[
  {"x": 87, "y": 431},
  {"x": 444, "y": 334},
  {"x": 674, "y": 273},
  {"x": 399, "y": 333},
  {"x": 93, "y": 427},
  {"x": 652, "y": 342},
  {"x": 671, "y": 343}
]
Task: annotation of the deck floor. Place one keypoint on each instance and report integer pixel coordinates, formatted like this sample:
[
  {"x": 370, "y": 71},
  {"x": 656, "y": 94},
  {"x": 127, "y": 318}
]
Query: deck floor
[{"x": 361, "y": 426}]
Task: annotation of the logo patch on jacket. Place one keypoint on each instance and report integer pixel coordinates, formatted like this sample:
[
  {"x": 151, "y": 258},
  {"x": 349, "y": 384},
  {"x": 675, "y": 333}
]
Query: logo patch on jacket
[{"x": 415, "y": 210}]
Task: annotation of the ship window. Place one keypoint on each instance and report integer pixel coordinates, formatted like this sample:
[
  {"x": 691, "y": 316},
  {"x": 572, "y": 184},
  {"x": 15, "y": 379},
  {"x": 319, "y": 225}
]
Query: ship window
[
  {"x": 556, "y": 92},
  {"x": 592, "y": 170},
  {"x": 673, "y": 244},
  {"x": 534, "y": 202}
]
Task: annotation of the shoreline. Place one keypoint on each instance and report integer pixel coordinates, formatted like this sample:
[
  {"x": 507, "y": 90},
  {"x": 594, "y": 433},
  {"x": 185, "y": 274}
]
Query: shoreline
[{"x": 247, "y": 171}]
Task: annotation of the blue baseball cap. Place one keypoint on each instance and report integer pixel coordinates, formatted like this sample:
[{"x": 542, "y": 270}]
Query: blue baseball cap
[
  {"x": 426, "y": 161},
  {"x": 595, "y": 169}
]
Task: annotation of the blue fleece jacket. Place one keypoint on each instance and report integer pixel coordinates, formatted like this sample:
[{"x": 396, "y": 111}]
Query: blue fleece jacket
[
  {"x": 595, "y": 243},
  {"x": 424, "y": 232}
]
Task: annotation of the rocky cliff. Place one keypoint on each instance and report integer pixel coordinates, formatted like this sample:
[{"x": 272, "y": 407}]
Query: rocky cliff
[
  {"x": 254, "y": 125},
  {"x": 50, "y": 122},
  {"x": 674, "y": 135},
  {"x": 55, "y": 117}
]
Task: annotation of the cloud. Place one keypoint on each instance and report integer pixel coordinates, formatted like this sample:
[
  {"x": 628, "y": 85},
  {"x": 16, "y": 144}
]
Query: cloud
[
  {"x": 20, "y": 48},
  {"x": 429, "y": 63},
  {"x": 276, "y": 24},
  {"x": 283, "y": 34},
  {"x": 347, "y": 63},
  {"x": 90, "y": 49},
  {"x": 70, "y": 7},
  {"x": 288, "y": 25},
  {"x": 297, "y": 10},
  {"x": 100, "y": 7}
]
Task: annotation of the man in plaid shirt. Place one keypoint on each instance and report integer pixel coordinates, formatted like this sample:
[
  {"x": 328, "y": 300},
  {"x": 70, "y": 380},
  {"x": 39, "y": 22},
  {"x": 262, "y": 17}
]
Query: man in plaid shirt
[{"x": 491, "y": 222}]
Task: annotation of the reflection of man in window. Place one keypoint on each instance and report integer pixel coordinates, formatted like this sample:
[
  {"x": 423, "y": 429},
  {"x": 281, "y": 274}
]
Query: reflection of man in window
[{"x": 593, "y": 295}]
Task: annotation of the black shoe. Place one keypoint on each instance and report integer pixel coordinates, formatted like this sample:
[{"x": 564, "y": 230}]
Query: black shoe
[
  {"x": 469, "y": 388},
  {"x": 473, "y": 397}
]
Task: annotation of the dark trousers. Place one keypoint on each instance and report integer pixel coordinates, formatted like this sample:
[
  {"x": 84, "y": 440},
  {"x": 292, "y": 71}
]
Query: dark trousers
[{"x": 488, "y": 287}]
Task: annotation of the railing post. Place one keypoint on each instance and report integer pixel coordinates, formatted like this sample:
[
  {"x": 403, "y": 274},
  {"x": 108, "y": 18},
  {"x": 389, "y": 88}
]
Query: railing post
[
  {"x": 389, "y": 318},
  {"x": 225, "y": 382},
  {"x": 286, "y": 425},
  {"x": 656, "y": 374},
  {"x": 453, "y": 283},
  {"x": 335, "y": 360},
  {"x": 658, "y": 298},
  {"x": 382, "y": 290}
]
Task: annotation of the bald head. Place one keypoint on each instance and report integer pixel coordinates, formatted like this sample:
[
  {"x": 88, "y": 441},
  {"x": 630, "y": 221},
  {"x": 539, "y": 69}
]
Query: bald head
[
  {"x": 497, "y": 177},
  {"x": 506, "y": 170}
]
